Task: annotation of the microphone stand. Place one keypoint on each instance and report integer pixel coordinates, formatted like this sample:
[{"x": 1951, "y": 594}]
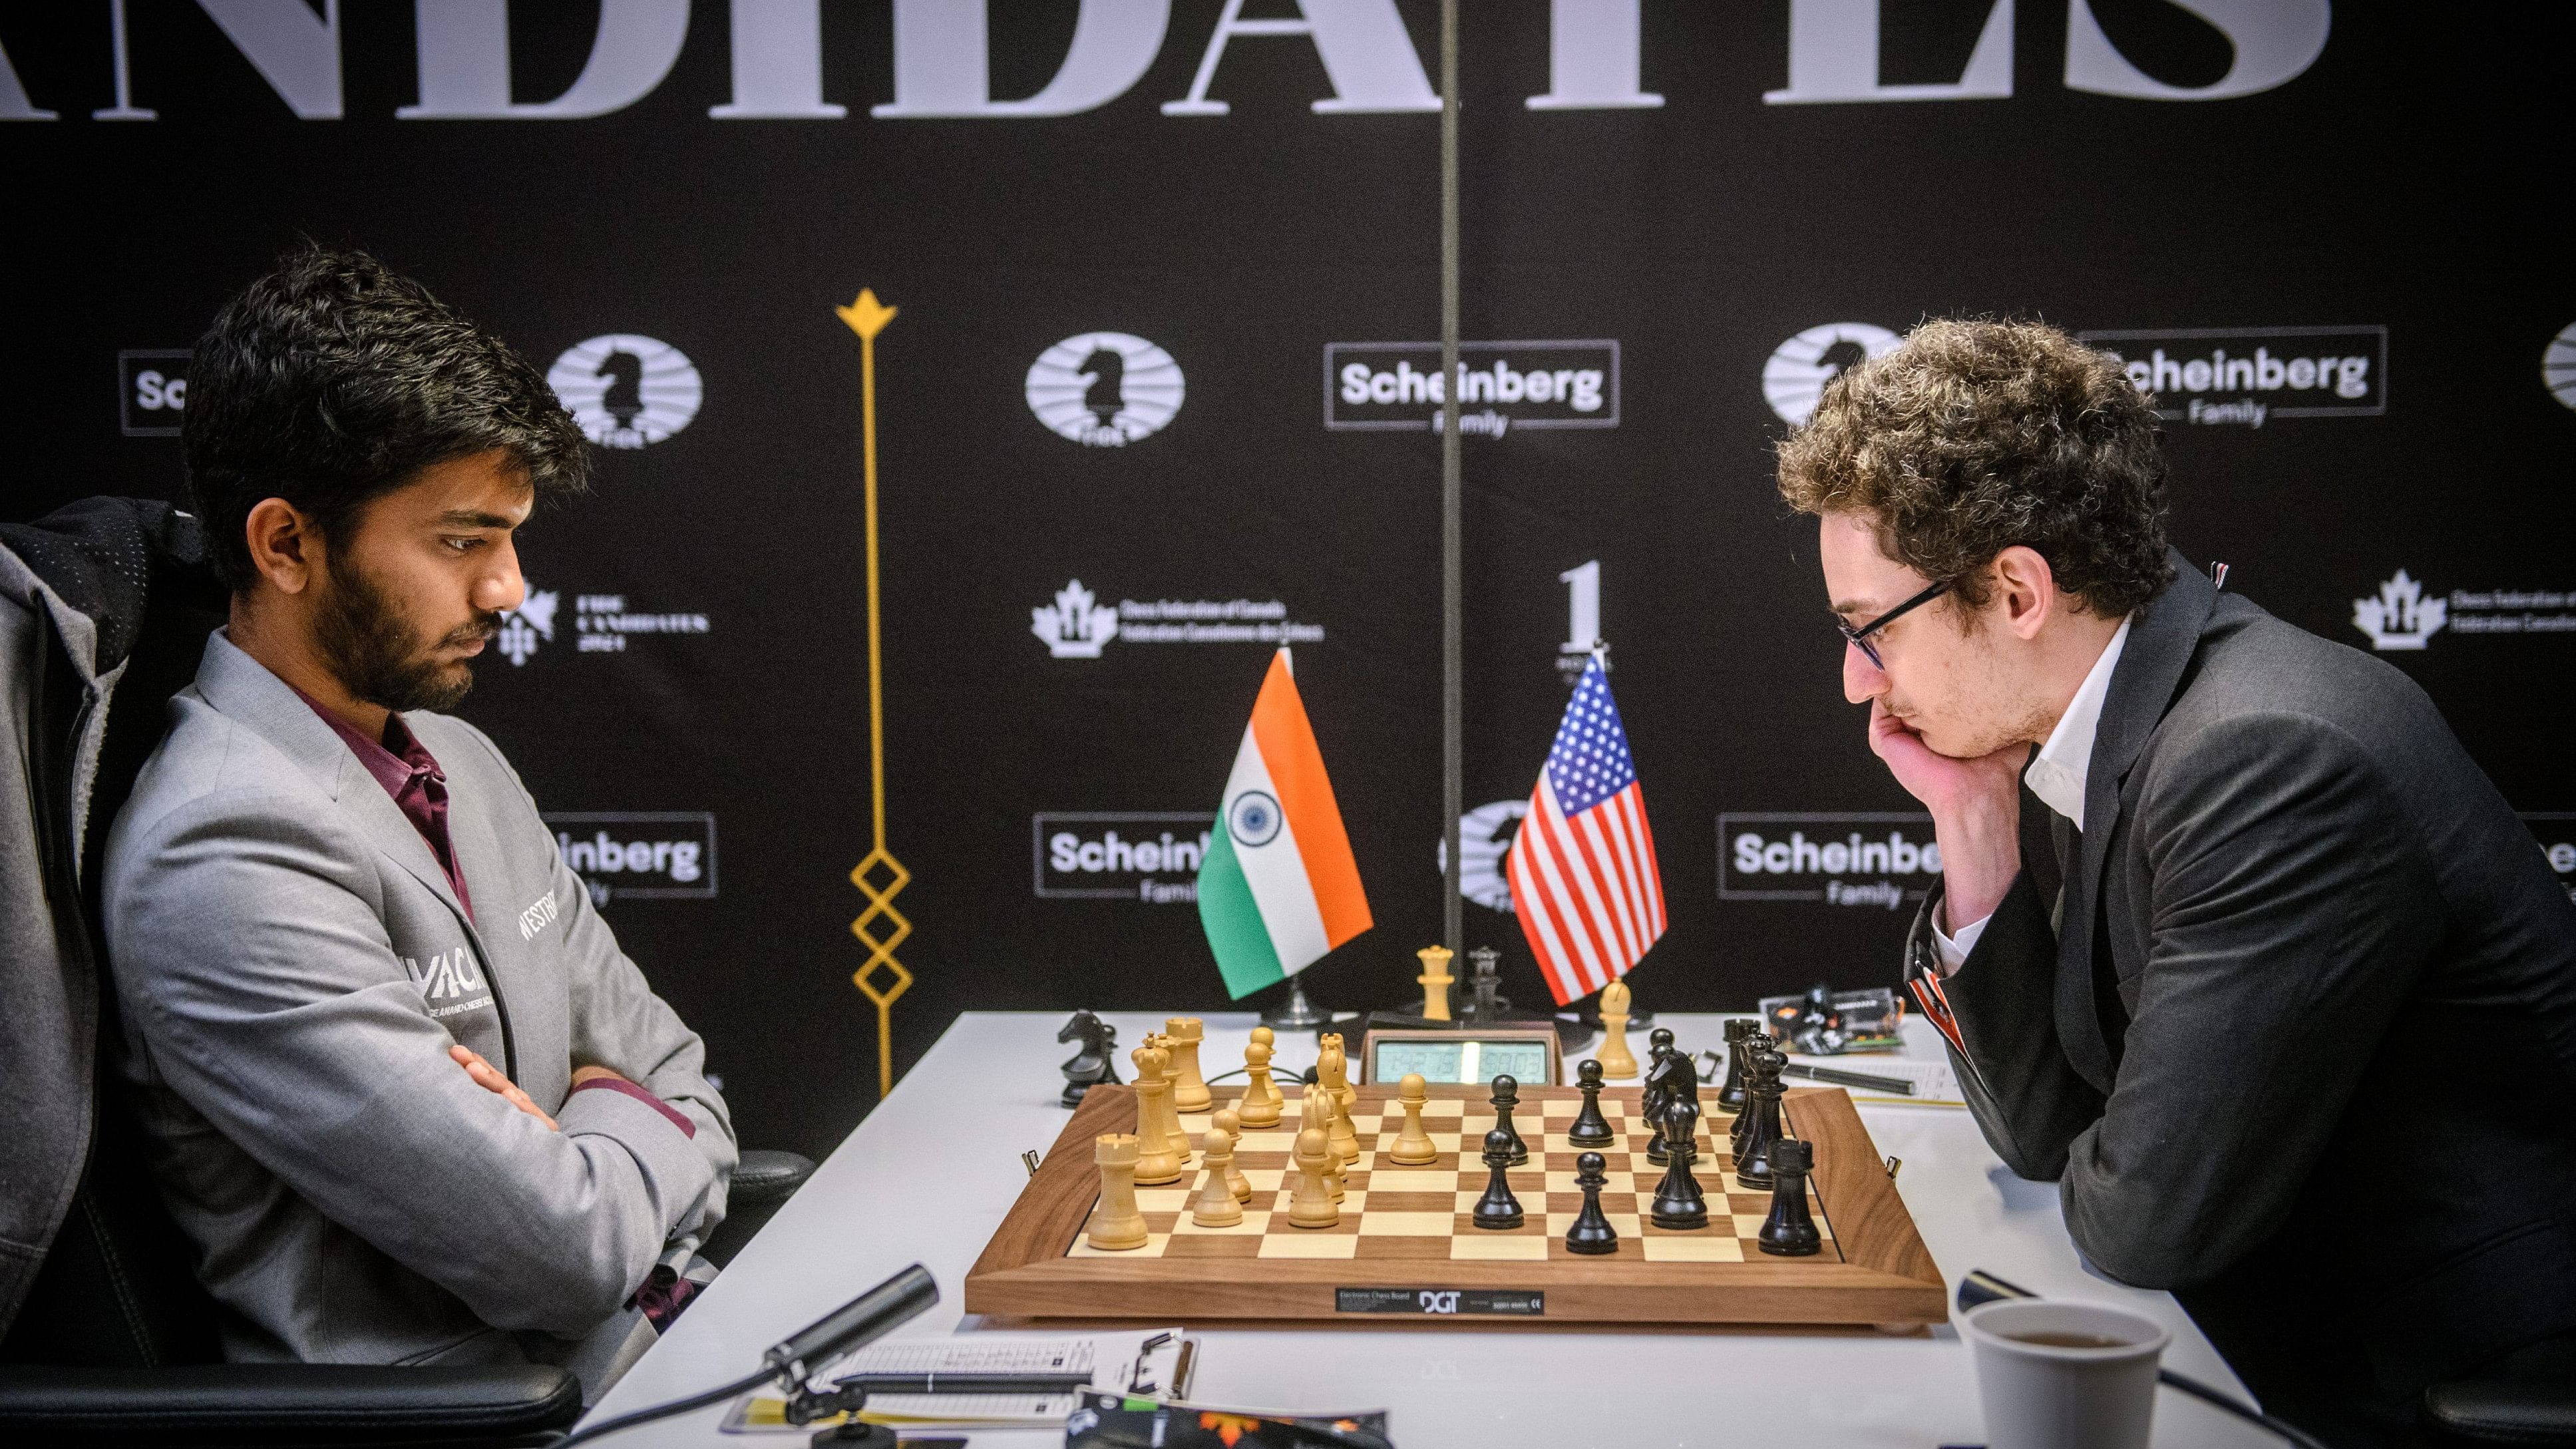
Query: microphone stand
[{"x": 791, "y": 1363}]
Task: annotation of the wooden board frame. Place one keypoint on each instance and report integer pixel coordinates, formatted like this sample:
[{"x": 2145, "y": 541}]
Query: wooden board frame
[{"x": 1887, "y": 1278}]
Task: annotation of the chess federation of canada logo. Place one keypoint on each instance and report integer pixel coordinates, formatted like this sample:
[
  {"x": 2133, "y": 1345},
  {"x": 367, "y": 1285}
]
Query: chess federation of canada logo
[
  {"x": 1076, "y": 625},
  {"x": 2558, "y": 366},
  {"x": 1105, "y": 389},
  {"x": 627, "y": 391},
  {"x": 1793, "y": 381},
  {"x": 1253, "y": 818},
  {"x": 2399, "y": 616}
]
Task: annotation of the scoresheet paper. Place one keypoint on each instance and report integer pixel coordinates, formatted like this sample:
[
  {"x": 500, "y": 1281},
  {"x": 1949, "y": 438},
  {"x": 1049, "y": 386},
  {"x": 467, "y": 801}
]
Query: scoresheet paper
[{"x": 1118, "y": 1363}]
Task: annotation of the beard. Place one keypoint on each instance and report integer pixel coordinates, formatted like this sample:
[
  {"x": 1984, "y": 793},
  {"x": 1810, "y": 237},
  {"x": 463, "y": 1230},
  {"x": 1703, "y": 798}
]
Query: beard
[{"x": 371, "y": 648}]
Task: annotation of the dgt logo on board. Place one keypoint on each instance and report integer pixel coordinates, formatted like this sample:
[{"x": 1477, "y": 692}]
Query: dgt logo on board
[
  {"x": 1793, "y": 380},
  {"x": 151, "y": 391},
  {"x": 1396, "y": 386},
  {"x": 627, "y": 391},
  {"x": 1839, "y": 858},
  {"x": 647, "y": 854},
  {"x": 1105, "y": 389},
  {"x": 1136, "y": 855},
  {"x": 2247, "y": 376}
]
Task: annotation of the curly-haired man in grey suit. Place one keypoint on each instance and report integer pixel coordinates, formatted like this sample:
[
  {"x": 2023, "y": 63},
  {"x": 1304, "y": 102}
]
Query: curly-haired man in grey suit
[
  {"x": 2247, "y": 954},
  {"x": 402, "y": 1088}
]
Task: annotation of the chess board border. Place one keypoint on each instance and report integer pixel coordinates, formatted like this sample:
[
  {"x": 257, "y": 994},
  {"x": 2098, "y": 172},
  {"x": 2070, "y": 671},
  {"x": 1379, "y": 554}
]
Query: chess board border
[{"x": 1886, "y": 1278}]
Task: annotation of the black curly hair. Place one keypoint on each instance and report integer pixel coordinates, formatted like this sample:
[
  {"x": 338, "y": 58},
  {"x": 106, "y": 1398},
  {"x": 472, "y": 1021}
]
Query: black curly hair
[
  {"x": 333, "y": 381},
  {"x": 1972, "y": 436}
]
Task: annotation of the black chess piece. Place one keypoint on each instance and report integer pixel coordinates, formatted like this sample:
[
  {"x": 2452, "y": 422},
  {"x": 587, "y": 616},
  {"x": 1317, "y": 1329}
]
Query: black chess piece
[
  {"x": 1590, "y": 1128},
  {"x": 1592, "y": 1233},
  {"x": 1730, "y": 1094},
  {"x": 1498, "y": 1208},
  {"x": 1096, "y": 1064},
  {"x": 1651, "y": 1098},
  {"x": 1753, "y": 1159},
  {"x": 1507, "y": 1094},
  {"x": 1679, "y": 1204},
  {"x": 1674, "y": 1078},
  {"x": 1790, "y": 1231},
  {"x": 1487, "y": 1004},
  {"x": 1758, "y": 1053}
]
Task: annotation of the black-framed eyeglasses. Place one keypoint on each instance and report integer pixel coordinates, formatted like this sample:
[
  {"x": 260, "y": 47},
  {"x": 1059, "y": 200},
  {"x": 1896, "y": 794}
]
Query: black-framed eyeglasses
[{"x": 1860, "y": 636}]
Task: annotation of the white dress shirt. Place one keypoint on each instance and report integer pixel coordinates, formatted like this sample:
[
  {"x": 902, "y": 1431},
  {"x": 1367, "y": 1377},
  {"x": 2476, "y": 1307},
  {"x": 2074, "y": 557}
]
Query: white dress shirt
[{"x": 2056, "y": 776}]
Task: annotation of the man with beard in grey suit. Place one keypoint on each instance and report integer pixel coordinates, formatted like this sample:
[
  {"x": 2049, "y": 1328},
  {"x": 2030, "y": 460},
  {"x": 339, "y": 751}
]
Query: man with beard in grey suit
[
  {"x": 401, "y": 1087},
  {"x": 2247, "y": 954}
]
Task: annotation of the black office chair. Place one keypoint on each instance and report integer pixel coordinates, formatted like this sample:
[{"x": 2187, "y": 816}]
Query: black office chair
[{"x": 116, "y": 1341}]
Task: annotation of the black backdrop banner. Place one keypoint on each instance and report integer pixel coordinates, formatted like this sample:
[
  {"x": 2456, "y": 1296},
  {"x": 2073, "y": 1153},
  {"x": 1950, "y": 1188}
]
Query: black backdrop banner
[{"x": 1158, "y": 398}]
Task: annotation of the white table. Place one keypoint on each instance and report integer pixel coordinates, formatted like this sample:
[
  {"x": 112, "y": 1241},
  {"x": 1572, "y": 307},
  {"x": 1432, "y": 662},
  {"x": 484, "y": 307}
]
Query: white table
[{"x": 928, "y": 1176}]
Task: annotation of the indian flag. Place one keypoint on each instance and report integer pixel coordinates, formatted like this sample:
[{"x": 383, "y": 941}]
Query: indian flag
[{"x": 1278, "y": 888}]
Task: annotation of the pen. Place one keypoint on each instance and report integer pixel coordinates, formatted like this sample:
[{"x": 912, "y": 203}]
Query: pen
[
  {"x": 966, "y": 1383},
  {"x": 1897, "y": 1086}
]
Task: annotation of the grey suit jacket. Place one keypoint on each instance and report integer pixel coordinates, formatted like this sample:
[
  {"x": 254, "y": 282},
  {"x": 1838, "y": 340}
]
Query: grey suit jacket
[
  {"x": 2299, "y": 1036},
  {"x": 293, "y": 967}
]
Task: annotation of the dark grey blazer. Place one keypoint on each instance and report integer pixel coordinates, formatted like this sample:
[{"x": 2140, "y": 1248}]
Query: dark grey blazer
[{"x": 2300, "y": 1043}]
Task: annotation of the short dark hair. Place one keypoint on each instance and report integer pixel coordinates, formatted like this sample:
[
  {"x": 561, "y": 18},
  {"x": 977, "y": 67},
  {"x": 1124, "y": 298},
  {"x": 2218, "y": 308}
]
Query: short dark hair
[
  {"x": 334, "y": 380},
  {"x": 1972, "y": 436}
]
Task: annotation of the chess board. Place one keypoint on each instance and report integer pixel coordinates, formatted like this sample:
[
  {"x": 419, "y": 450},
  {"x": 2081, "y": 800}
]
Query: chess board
[{"x": 1406, "y": 1246}]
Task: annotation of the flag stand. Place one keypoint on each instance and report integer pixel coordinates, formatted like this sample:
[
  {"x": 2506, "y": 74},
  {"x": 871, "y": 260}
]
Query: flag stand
[{"x": 1296, "y": 1013}]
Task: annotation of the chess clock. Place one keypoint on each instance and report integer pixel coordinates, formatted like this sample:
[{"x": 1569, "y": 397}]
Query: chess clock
[{"x": 1471, "y": 1057}]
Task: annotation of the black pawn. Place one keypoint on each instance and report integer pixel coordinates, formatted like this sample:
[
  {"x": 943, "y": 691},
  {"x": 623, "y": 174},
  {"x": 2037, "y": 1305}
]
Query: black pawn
[
  {"x": 1730, "y": 1096},
  {"x": 1790, "y": 1232},
  {"x": 1592, "y": 1233},
  {"x": 1498, "y": 1208},
  {"x": 1679, "y": 1205},
  {"x": 1654, "y": 1099},
  {"x": 1507, "y": 1094},
  {"x": 1590, "y": 1128}
]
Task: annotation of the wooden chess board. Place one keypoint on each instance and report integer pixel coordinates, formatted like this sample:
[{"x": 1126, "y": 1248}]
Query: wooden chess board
[{"x": 1405, "y": 1244}]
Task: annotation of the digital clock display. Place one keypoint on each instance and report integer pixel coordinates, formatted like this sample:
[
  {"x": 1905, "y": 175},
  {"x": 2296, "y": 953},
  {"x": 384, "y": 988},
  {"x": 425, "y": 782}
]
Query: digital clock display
[{"x": 1463, "y": 1060}]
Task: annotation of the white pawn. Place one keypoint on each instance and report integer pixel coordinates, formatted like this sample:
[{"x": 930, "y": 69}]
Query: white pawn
[
  {"x": 1226, "y": 1122},
  {"x": 1311, "y": 1206},
  {"x": 1318, "y": 1105},
  {"x": 1262, "y": 1100},
  {"x": 1216, "y": 1207},
  {"x": 1413, "y": 1147}
]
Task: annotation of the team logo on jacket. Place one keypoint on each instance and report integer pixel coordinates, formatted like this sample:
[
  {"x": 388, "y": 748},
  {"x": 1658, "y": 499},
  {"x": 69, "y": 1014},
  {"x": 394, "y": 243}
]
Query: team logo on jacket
[
  {"x": 1105, "y": 389},
  {"x": 449, "y": 983}
]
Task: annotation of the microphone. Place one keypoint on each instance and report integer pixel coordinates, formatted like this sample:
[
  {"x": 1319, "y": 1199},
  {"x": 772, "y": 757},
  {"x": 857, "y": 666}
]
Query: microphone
[{"x": 860, "y": 1321}]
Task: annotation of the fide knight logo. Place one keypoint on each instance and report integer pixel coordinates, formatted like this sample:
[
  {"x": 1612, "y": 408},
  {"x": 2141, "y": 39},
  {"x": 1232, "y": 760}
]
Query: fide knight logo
[
  {"x": 2401, "y": 617},
  {"x": 524, "y": 626},
  {"x": 1076, "y": 625},
  {"x": 1105, "y": 389},
  {"x": 1793, "y": 381},
  {"x": 2558, "y": 365},
  {"x": 627, "y": 391}
]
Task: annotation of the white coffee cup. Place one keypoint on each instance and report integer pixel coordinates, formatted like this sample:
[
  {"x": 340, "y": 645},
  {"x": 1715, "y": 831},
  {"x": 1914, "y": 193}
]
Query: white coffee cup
[{"x": 2058, "y": 1395}]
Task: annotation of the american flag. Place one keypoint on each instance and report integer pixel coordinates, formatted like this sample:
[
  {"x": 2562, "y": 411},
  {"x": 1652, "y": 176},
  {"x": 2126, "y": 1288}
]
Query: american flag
[{"x": 1583, "y": 866}]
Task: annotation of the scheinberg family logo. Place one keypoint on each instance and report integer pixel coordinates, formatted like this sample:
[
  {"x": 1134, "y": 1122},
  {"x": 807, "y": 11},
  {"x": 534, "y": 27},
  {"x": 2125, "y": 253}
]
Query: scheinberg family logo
[
  {"x": 1105, "y": 389},
  {"x": 627, "y": 391},
  {"x": 643, "y": 854},
  {"x": 1502, "y": 386},
  {"x": 2247, "y": 376},
  {"x": 1131, "y": 855},
  {"x": 1840, "y": 858}
]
